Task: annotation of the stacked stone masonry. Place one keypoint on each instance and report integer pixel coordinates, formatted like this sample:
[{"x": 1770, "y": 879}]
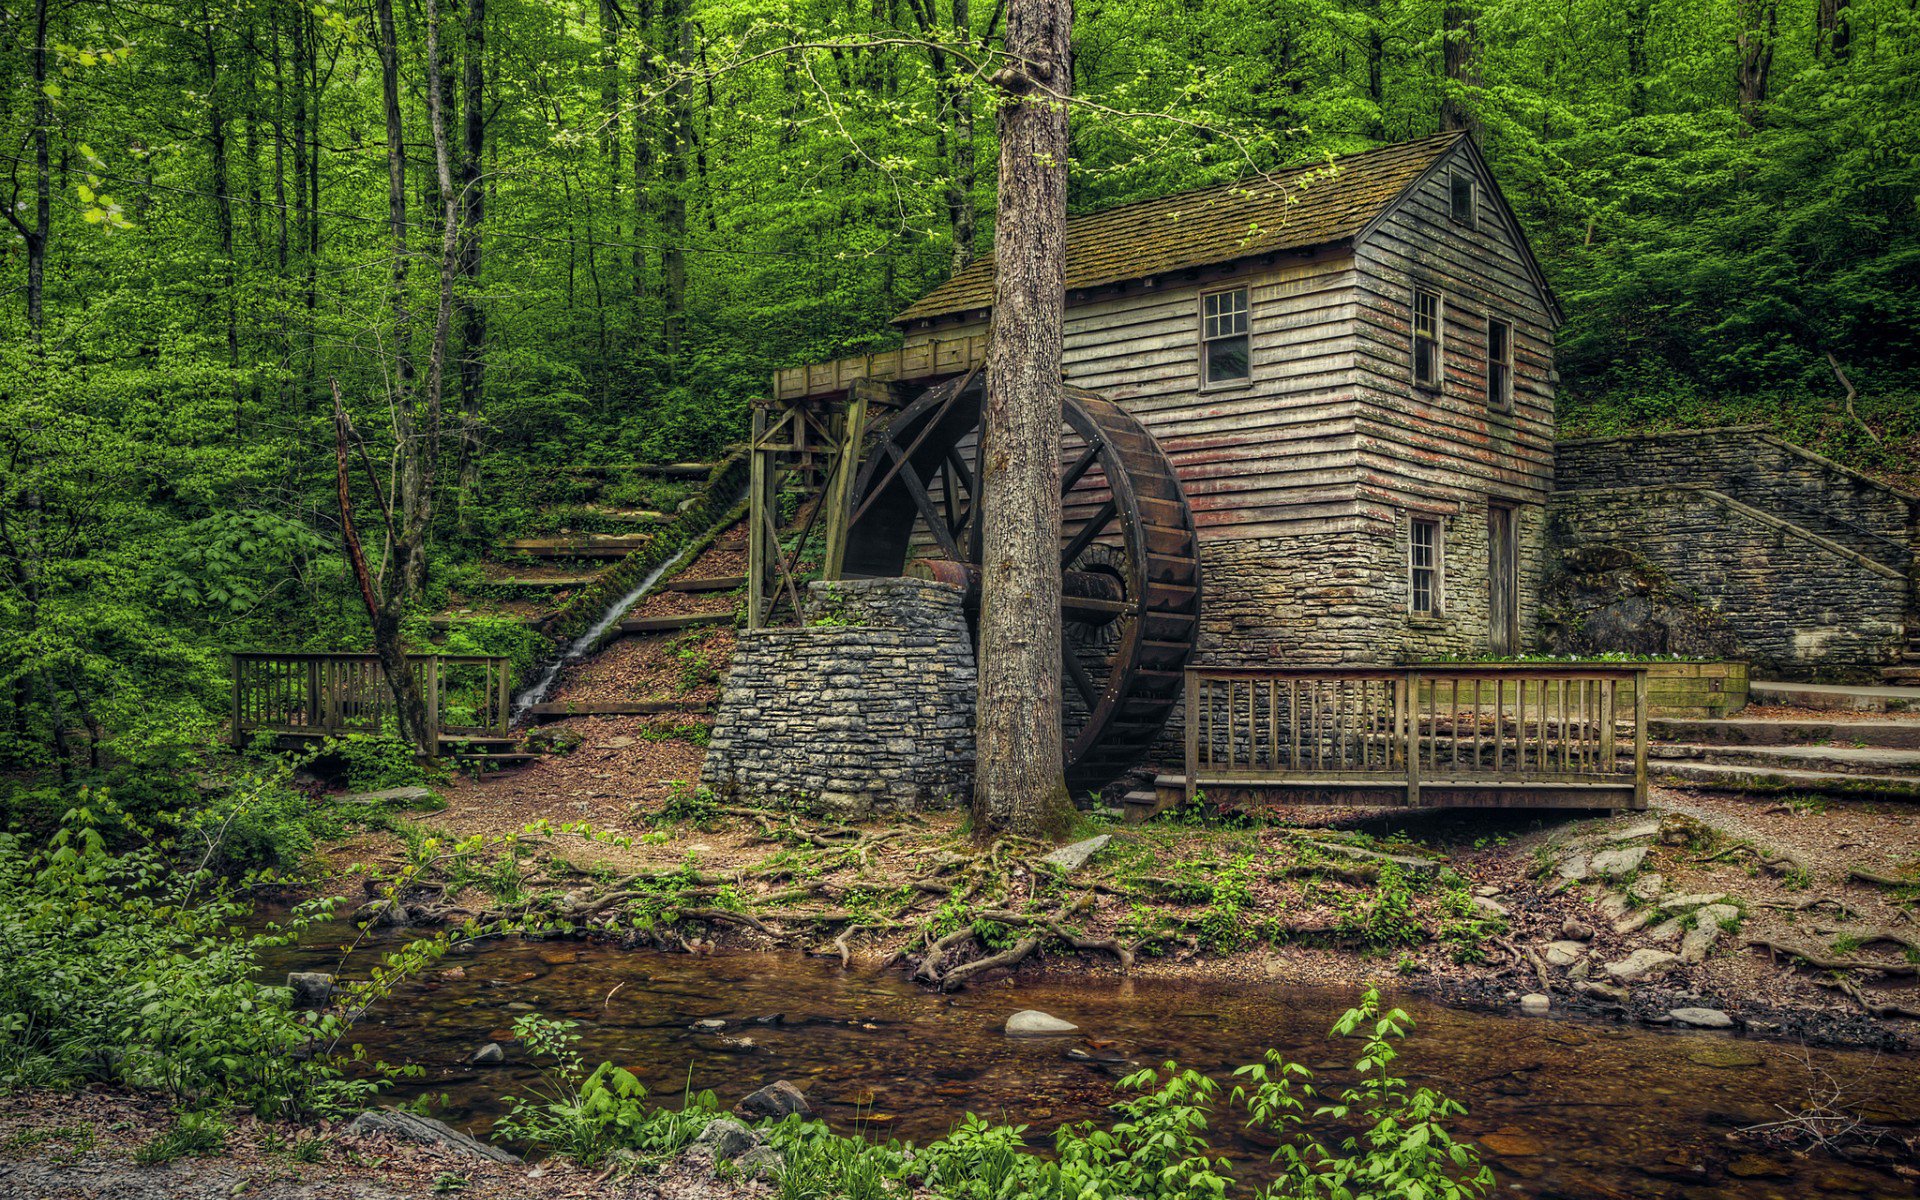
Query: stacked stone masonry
[
  {"x": 868, "y": 711},
  {"x": 1808, "y": 565}
]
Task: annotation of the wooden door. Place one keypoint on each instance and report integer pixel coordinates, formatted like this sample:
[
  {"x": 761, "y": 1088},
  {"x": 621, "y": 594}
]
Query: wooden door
[{"x": 1503, "y": 582}]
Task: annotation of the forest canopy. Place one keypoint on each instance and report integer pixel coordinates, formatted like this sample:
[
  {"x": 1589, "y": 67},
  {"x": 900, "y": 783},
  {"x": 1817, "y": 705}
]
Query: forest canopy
[{"x": 607, "y": 223}]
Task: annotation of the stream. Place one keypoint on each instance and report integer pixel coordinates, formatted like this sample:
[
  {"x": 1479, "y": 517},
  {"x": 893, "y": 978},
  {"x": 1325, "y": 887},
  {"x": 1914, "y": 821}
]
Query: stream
[{"x": 1563, "y": 1107}]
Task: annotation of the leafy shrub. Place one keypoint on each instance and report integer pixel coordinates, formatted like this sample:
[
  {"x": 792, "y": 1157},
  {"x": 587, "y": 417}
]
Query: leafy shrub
[
  {"x": 374, "y": 764},
  {"x": 122, "y": 967},
  {"x": 587, "y": 1115}
]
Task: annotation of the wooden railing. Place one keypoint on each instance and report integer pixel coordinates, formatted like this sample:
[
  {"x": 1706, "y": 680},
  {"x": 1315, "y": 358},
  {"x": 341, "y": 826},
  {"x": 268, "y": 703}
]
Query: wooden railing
[
  {"x": 1476, "y": 735},
  {"x": 923, "y": 360},
  {"x": 328, "y": 695}
]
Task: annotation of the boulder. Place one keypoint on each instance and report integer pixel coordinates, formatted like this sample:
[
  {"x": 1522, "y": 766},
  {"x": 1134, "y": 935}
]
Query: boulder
[
  {"x": 1575, "y": 866},
  {"x": 776, "y": 1100},
  {"x": 425, "y": 1130},
  {"x": 1071, "y": 858},
  {"x": 1668, "y": 930},
  {"x": 761, "y": 1162},
  {"x": 1702, "y": 1018},
  {"x": 1031, "y": 1022},
  {"x": 1648, "y": 887},
  {"x": 1488, "y": 906},
  {"x": 1633, "y": 833},
  {"x": 1576, "y": 931},
  {"x": 1635, "y": 922},
  {"x": 1533, "y": 1004},
  {"x": 1564, "y": 954},
  {"x": 1640, "y": 964},
  {"x": 1616, "y": 864},
  {"x": 726, "y": 1139},
  {"x": 1707, "y": 920},
  {"x": 1602, "y": 991},
  {"x": 489, "y": 1055},
  {"x": 311, "y": 989},
  {"x": 1686, "y": 904}
]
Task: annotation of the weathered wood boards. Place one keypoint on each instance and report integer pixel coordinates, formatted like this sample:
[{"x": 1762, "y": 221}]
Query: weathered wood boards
[
  {"x": 1511, "y": 736},
  {"x": 469, "y": 697}
]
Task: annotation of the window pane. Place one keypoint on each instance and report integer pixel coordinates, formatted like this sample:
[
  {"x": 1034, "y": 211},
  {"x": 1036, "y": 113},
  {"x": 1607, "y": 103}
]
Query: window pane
[
  {"x": 1462, "y": 197},
  {"x": 1423, "y": 566},
  {"x": 1422, "y": 360},
  {"x": 1227, "y": 359},
  {"x": 1226, "y": 313}
]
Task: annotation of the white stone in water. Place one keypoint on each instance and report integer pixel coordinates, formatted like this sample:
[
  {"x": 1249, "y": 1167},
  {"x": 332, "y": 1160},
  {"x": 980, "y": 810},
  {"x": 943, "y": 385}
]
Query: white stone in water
[
  {"x": 1533, "y": 1004},
  {"x": 1702, "y": 1018},
  {"x": 1031, "y": 1022}
]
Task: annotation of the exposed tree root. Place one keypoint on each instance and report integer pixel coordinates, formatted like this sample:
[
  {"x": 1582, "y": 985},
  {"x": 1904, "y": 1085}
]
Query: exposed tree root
[
  {"x": 1821, "y": 961},
  {"x": 1878, "y": 880}
]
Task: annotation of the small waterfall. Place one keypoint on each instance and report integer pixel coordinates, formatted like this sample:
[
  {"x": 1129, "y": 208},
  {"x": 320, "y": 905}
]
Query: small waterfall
[{"x": 584, "y": 644}]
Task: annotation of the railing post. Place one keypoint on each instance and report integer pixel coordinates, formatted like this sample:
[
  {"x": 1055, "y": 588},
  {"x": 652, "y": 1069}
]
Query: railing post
[
  {"x": 239, "y": 738},
  {"x": 430, "y": 679},
  {"x": 1640, "y": 739},
  {"x": 1412, "y": 686},
  {"x": 1192, "y": 731}
]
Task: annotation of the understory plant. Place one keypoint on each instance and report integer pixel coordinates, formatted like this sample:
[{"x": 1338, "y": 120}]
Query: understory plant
[{"x": 588, "y": 1115}]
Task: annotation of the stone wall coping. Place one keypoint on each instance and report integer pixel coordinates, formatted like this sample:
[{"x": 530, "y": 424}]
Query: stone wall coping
[
  {"x": 1762, "y": 432},
  {"x": 884, "y": 583},
  {"x": 1745, "y": 510}
]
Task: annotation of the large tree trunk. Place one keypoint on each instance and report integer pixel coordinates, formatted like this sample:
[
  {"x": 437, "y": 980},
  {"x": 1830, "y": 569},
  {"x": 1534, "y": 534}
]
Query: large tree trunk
[
  {"x": 36, "y": 235},
  {"x": 1020, "y": 787},
  {"x": 677, "y": 29},
  {"x": 1460, "y": 58},
  {"x": 1832, "y": 29},
  {"x": 473, "y": 312},
  {"x": 1758, "y": 22}
]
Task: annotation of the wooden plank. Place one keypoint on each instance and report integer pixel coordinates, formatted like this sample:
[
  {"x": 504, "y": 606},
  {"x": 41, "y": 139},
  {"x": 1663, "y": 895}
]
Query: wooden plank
[{"x": 671, "y": 624}]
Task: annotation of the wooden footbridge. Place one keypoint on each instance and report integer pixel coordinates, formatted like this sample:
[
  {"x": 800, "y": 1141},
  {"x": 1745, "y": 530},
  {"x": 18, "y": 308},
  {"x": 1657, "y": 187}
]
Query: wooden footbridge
[
  {"x": 301, "y": 699},
  {"x": 1475, "y": 736}
]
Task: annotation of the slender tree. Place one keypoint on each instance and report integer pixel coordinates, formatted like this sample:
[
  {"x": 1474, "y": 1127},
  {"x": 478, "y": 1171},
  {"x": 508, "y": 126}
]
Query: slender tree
[{"x": 1020, "y": 786}]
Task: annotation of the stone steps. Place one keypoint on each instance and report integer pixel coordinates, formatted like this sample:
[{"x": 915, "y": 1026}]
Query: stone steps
[
  {"x": 1838, "y": 760},
  {"x": 1767, "y": 731},
  {"x": 1766, "y": 781},
  {"x": 1835, "y": 697}
]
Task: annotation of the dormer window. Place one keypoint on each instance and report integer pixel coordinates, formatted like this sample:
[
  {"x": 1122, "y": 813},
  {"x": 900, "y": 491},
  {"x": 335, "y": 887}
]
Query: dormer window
[
  {"x": 1460, "y": 188},
  {"x": 1224, "y": 350}
]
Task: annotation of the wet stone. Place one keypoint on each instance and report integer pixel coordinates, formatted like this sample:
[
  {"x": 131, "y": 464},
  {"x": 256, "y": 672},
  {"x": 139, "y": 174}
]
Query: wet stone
[
  {"x": 1510, "y": 1144},
  {"x": 489, "y": 1055},
  {"x": 1029, "y": 1022},
  {"x": 1702, "y": 1018},
  {"x": 777, "y": 1099},
  {"x": 1533, "y": 1004},
  {"x": 311, "y": 989}
]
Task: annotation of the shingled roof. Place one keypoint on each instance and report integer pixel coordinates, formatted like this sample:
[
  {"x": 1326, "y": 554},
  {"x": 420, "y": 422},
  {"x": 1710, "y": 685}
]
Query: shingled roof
[{"x": 1299, "y": 208}]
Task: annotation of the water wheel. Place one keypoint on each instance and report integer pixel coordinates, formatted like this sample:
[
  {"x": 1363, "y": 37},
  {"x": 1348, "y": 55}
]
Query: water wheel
[{"x": 1130, "y": 572}]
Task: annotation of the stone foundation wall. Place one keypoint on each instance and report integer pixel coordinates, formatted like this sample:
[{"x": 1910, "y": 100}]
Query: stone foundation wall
[
  {"x": 1792, "y": 602},
  {"x": 1757, "y": 468},
  {"x": 1342, "y": 597},
  {"x": 870, "y": 712}
]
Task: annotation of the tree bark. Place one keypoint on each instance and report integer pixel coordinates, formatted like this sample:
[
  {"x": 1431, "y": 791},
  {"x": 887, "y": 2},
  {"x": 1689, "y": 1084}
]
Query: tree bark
[
  {"x": 1753, "y": 46},
  {"x": 37, "y": 234},
  {"x": 1460, "y": 59},
  {"x": 1020, "y": 787},
  {"x": 678, "y": 30},
  {"x": 473, "y": 312},
  {"x": 1833, "y": 29}
]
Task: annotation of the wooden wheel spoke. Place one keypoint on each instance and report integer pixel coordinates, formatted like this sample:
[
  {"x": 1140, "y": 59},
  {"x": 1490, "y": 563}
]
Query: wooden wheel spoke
[
  {"x": 936, "y": 524},
  {"x": 1077, "y": 672},
  {"x": 1079, "y": 469},
  {"x": 1091, "y": 530}
]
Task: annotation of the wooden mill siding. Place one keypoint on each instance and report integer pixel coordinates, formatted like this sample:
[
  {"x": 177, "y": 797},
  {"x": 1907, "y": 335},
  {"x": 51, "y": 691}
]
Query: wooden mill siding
[
  {"x": 1419, "y": 446},
  {"x": 1275, "y": 455}
]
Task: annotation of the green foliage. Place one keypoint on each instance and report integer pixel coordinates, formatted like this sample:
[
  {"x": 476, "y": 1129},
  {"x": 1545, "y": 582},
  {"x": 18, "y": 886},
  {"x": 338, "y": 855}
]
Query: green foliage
[
  {"x": 587, "y": 1115},
  {"x": 1385, "y": 917},
  {"x": 122, "y": 967},
  {"x": 376, "y": 763},
  {"x": 192, "y": 1135}
]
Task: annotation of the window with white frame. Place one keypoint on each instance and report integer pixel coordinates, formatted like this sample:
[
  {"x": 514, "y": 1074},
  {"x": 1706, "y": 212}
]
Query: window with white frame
[
  {"x": 1499, "y": 365},
  {"x": 1224, "y": 348},
  {"x": 1460, "y": 197},
  {"x": 1427, "y": 314},
  {"x": 1423, "y": 567}
]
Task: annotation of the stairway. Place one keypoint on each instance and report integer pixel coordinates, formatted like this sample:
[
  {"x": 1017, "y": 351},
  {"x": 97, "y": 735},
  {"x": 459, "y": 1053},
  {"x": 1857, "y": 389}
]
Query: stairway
[{"x": 1846, "y": 757}]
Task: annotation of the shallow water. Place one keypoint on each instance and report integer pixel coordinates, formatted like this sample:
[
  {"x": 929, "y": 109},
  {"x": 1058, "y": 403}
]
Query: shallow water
[{"x": 1582, "y": 1109}]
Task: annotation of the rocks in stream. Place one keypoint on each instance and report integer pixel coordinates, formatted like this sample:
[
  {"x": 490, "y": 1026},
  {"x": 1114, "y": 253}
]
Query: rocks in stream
[
  {"x": 1031, "y": 1022},
  {"x": 311, "y": 989},
  {"x": 428, "y": 1132},
  {"x": 1533, "y": 1004},
  {"x": 489, "y": 1055},
  {"x": 777, "y": 1099},
  {"x": 1702, "y": 1018}
]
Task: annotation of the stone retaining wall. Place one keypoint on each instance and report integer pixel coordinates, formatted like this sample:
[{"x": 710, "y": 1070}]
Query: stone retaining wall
[
  {"x": 1794, "y": 602},
  {"x": 1759, "y": 469},
  {"x": 869, "y": 712}
]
